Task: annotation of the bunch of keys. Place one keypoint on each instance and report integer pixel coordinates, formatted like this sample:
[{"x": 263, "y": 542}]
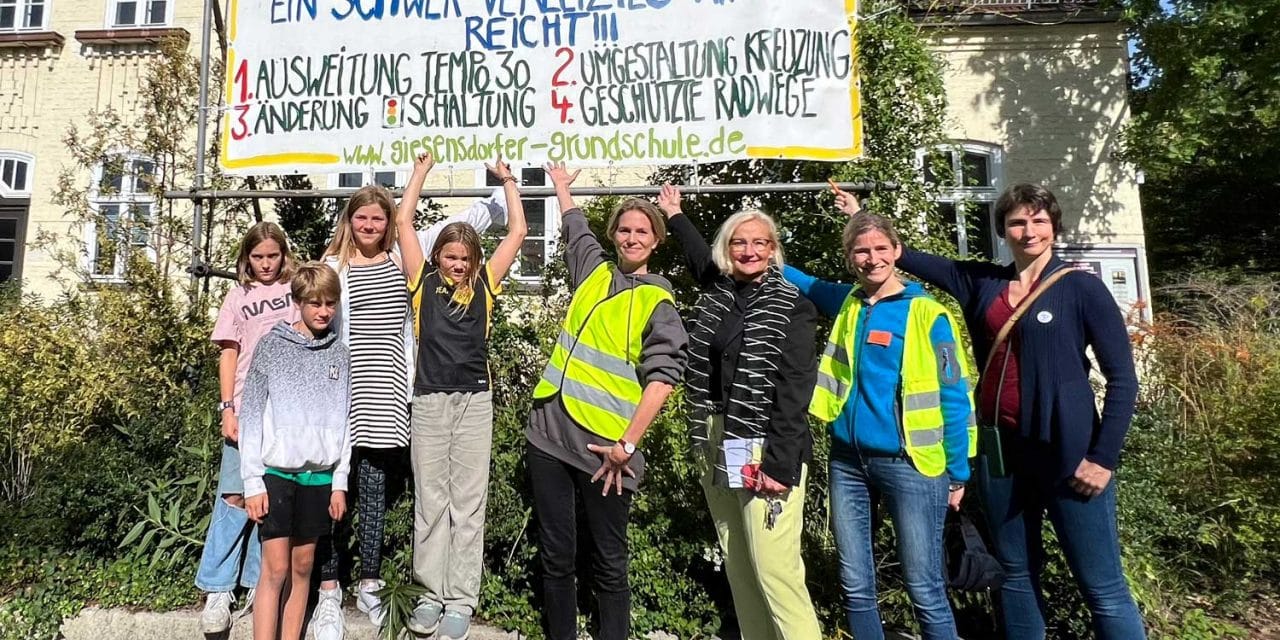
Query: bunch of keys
[{"x": 772, "y": 511}]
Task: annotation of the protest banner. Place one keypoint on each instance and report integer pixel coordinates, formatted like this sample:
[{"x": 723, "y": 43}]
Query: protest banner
[{"x": 322, "y": 86}]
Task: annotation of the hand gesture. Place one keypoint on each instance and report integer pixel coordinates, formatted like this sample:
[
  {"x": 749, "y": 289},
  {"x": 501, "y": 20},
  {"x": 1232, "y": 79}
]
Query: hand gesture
[
  {"x": 1090, "y": 479},
  {"x": 499, "y": 169},
  {"x": 560, "y": 176},
  {"x": 847, "y": 202},
  {"x": 613, "y": 466},
  {"x": 669, "y": 200},
  {"x": 423, "y": 163},
  {"x": 767, "y": 486},
  {"x": 337, "y": 504},
  {"x": 954, "y": 497},
  {"x": 230, "y": 425},
  {"x": 257, "y": 507}
]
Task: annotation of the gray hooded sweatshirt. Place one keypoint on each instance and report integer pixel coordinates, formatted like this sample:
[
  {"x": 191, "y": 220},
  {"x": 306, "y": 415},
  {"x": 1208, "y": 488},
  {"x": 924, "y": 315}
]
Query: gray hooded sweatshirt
[{"x": 294, "y": 413}]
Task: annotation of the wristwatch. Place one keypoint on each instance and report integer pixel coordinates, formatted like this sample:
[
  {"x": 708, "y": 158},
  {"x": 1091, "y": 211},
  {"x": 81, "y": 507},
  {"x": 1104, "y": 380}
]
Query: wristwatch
[
  {"x": 627, "y": 447},
  {"x": 226, "y": 404},
  {"x": 955, "y": 486}
]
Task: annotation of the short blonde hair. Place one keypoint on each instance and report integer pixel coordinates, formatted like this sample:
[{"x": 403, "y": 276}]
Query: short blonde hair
[
  {"x": 720, "y": 245},
  {"x": 315, "y": 281}
]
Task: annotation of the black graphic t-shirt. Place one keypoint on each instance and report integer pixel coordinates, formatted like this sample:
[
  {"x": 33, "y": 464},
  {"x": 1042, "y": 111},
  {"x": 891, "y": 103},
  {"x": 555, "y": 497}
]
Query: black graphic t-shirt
[{"x": 453, "y": 333}]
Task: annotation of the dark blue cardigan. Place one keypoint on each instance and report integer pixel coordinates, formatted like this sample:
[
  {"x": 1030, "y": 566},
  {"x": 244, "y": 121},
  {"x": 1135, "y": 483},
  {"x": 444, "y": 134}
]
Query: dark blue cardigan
[{"x": 1058, "y": 406}]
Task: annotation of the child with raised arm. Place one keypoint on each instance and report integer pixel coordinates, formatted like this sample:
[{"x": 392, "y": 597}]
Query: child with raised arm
[
  {"x": 453, "y": 290},
  {"x": 295, "y": 448}
]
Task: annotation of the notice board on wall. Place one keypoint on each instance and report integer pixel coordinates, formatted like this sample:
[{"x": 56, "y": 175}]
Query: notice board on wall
[
  {"x": 1122, "y": 267},
  {"x": 322, "y": 86}
]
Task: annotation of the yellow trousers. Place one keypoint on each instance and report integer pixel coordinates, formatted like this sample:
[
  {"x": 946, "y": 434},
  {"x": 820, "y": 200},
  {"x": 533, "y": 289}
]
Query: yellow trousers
[{"x": 764, "y": 566}]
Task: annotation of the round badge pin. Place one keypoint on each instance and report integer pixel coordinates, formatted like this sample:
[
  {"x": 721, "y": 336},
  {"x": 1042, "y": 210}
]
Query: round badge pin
[{"x": 1044, "y": 317}]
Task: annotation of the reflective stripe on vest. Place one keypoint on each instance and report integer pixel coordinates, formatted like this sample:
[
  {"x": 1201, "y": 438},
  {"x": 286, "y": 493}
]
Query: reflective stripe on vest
[
  {"x": 922, "y": 421},
  {"x": 593, "y": 364}
]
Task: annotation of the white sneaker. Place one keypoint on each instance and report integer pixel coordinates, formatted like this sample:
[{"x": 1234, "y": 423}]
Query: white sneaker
[
  {"x": 328, "y": 621},
  {"x": 216, "y": 616},
  {"x": 369, "y": 603}
]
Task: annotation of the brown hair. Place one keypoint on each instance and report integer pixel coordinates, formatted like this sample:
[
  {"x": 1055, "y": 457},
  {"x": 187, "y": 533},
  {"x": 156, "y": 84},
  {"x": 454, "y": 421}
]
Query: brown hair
[
  {"x": 656, "y": 219},
  {"x": 863, "y": 222},
  {"x": 315, "y": 281},
  {"x": 1034, "y": 196},
  {"x": 252, "y": 238},
  {"x": 467, "y": 236},
  {"x": 343, "y": 244}
]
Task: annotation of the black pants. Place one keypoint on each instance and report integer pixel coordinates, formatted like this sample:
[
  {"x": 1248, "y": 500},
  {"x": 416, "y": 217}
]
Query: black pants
[
  {"x": 379, "y": 480},
  {"x": 556, "y": 489}
]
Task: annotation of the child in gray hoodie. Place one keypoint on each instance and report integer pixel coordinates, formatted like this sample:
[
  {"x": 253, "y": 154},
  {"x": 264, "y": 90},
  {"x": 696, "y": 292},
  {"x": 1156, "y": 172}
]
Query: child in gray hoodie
[{"x": 295, "y": 447}]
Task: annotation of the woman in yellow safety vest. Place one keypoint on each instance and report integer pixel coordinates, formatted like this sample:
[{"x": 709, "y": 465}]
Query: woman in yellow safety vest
[
  {"x": 893, "y": 383},
  {"x": 620, "y": 352}
]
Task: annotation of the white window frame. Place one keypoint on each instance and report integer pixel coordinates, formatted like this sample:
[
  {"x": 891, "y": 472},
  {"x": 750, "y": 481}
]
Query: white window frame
[
  {"x": 959, "y": 196},
  {"x": 139, "y": 15},
  {"x": 550, "y": 237},
  {"x": 21, "y": 13},
  {"x": 17, "y": 158},
  {"x": 127, "y": 198}
]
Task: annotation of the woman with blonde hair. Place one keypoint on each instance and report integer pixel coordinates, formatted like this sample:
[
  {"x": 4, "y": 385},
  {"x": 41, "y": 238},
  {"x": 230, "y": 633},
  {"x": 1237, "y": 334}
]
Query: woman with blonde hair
[{"x": 751, "y": 371}]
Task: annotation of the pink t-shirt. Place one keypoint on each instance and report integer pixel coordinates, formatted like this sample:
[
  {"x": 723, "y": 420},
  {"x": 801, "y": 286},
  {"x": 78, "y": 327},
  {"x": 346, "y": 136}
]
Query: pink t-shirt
[{"x": 247, "y": 314}]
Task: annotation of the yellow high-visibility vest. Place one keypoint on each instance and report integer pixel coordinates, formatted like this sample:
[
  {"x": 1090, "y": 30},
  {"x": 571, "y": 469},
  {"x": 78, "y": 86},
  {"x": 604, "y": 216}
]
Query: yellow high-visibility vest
[
  {"x": 921, "y": 399},
  {"x": 593, "y": 365}
]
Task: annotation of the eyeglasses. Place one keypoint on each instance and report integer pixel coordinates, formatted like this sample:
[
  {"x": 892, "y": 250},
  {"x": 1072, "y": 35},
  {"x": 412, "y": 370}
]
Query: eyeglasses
[{"x": 759, "y": 244}]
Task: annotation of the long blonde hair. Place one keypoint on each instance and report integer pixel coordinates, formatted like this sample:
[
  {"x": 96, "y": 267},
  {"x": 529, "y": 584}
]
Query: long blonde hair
[
  {"x": 252, "y": 238},
  {"x": 343, "y": 244},
  {"x": 465, "y": 235}
]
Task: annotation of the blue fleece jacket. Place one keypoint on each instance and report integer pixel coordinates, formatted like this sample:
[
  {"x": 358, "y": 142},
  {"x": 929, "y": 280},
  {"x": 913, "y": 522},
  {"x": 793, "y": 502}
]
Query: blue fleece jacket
[{"x": 871, "y": 418}]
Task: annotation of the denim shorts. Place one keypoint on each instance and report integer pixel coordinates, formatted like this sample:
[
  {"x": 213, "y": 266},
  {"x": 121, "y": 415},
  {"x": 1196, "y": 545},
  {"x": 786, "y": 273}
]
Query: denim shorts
[{"x": 229, "y": 480}]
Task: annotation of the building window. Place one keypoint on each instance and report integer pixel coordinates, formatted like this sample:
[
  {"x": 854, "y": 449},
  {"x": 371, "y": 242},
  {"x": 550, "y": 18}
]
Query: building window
[
  {"x": 125, "y": 208},
  {"x": 357, "y": 179},
  {"x": 139, "y": 13},
  {"x": 543, "y": 218},
  {"x": 969, "y": 177},
  {"x": 22, "y": 15},
  {"x": 15, "y": 175}
]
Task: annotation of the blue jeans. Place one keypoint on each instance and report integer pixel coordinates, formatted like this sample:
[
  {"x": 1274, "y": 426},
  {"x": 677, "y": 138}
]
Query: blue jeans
[
  {"x": 1086, "y": 528},
  {"x": 232, "y": 539},
  {"x": 918, "y": 507}
]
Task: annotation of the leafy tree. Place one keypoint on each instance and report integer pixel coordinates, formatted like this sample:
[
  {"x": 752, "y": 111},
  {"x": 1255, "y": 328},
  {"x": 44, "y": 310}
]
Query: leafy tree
[{"x": 1206, "y": 131}]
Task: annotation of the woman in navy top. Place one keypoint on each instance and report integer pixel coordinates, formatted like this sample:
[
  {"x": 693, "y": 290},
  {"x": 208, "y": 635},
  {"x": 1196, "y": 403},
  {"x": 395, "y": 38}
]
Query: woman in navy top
[{"x": 1059, "y": 451}]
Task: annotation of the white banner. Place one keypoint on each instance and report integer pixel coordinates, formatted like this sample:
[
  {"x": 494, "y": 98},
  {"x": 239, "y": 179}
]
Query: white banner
[{"x": 322, "y": 86}]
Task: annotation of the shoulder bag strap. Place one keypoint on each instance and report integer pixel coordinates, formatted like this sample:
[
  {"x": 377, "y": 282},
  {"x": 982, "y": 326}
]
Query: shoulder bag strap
[{"x": 1017, "y": 313}]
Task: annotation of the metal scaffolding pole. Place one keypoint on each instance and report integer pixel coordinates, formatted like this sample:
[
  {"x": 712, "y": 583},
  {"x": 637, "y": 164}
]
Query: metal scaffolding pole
[
  {"x": 202, "y": 123},
  {"x": 199, "y": 195}
]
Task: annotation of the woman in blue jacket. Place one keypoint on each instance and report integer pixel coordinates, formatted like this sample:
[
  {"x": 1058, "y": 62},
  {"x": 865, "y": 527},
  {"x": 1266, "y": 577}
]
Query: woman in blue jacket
[
  {"x": 893, "y": 383},
  {"x": 1059, "y": 453}
]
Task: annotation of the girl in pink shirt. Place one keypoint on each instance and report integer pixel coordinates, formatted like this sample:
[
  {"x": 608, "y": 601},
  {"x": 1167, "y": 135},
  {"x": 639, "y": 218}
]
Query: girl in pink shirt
[{"x": 260, "y": 300}]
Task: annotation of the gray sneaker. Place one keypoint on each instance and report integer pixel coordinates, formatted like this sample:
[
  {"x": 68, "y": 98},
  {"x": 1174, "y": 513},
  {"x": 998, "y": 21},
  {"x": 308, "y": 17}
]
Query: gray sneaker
[
  {"x": 455, "y": 625},
  {"x": 426, "y": 617}
]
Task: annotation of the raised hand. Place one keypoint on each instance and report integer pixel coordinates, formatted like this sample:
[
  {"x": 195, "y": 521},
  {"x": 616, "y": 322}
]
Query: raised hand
[
  {"x": 669, "y": 200},
  {"x": 423, "y": 163},
  {"x": 560, "y": 176},
  {"x": 499, "y": 169},
  {"x": 847, "y": 202}
]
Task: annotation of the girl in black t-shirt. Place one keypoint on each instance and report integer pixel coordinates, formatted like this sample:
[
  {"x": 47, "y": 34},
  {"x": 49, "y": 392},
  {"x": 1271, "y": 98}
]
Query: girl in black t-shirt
[{"x": 453, "y": 290}]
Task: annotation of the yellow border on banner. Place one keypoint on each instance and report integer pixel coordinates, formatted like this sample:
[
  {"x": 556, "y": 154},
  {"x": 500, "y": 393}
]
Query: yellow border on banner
[
  {"x": 231, "y": 21},
  {"x": 269, "y": 160},
  {"x": 855, "y": 110}
]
